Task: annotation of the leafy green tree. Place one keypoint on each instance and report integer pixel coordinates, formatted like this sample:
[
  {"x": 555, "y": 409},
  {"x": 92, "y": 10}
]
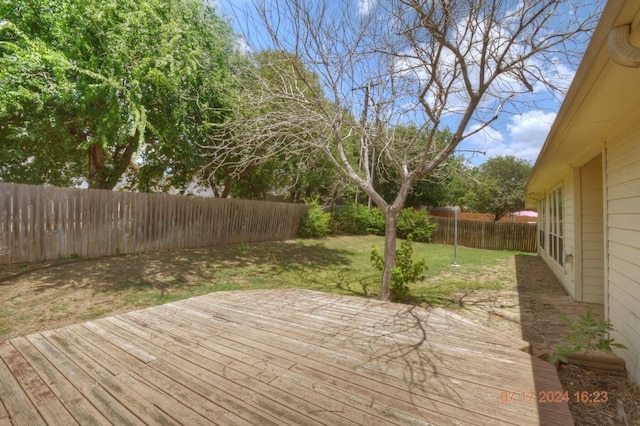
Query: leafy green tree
[
  {"x": 96, "y": 89},
  {"x": 291, "y": 179},
  {"x": 29, "y": 86},
  {"x": 499, "y": 189}
]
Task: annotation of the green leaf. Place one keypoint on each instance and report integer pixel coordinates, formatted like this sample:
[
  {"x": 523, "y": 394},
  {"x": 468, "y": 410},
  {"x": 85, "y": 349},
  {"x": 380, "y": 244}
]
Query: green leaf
[
  {"x": 587, "y": 334},
  {"x": 120, "y": 77}
]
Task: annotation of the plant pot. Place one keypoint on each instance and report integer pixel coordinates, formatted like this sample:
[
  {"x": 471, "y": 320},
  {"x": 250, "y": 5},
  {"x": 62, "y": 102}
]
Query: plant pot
[{"x": 599, "y": 361}]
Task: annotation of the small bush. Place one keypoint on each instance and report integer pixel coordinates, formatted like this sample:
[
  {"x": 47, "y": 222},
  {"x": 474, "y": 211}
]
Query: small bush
[
  {"x": 416, "y": 223},
  {"x": 315, "y": 222},
  {"x": 376, "y": 221},
  {"x": 357, "y": 219},
  {"x": 588, "y": 333},
  {"x": 405, "y": 272}
]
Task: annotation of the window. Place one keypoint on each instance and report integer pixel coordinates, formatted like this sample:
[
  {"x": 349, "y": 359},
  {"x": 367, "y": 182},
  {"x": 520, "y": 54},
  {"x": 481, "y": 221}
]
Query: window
[{"x": 556, "y": 231}]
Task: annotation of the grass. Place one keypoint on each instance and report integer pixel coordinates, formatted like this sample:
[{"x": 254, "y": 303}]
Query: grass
[
  {"x": 5, "y": 317},
  {"x": 335, "y": 265},
  {"x": 92, "y": 288},
  {"x": 95, "y": 312}
]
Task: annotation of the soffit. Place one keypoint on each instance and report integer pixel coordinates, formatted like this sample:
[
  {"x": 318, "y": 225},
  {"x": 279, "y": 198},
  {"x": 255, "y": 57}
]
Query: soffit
[{"x": 602, "y": 99}]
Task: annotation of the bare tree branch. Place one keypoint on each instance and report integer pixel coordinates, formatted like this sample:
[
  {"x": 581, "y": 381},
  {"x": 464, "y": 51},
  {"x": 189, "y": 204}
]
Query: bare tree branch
[{"x": 441, "y": 65}]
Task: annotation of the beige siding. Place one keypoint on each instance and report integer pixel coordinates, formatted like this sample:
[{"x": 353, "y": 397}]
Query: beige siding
[
  {"x": 623, "y": 222},
  {"x": 592, "y": 231}
]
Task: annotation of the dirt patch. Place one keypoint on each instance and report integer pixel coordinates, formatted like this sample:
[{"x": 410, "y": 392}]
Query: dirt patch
[
  {"x": 43, "y": 296},
  {"x": 531, "y": 308},
  {"x": 618, "y": 400},
  {"x": 50, "y": 295}
]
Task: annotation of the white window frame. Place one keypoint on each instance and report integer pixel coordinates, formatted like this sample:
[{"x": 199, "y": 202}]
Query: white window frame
[
  {"x": 555, "y": 231},
  {"x": 542, "y": 232}
]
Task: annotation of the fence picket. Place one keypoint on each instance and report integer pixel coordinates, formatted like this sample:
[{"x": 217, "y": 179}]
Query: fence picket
[
  {"x": 5, "y": 225},
  {"x": 46, "y": 223},
  {"x": 487, "y": 235}
]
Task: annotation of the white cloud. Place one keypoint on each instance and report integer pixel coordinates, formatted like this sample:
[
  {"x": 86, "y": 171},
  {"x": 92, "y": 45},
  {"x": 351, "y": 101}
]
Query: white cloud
[
  {"x": 242, "y": 46},
  {"x": 365, "y": 6},
  {"x": 525, "y": 135},
  {"x": 533, "y": 124}
]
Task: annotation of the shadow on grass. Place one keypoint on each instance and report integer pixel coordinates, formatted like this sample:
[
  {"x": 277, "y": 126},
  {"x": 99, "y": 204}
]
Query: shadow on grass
[
  {"x": 451, "y": 296},
  {"x": 365, "y": 286},
  {"x": 183, "y": 270}
]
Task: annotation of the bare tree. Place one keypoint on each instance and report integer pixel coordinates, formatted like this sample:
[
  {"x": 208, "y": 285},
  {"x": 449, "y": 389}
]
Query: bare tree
[{"x": 379, "y": 65}]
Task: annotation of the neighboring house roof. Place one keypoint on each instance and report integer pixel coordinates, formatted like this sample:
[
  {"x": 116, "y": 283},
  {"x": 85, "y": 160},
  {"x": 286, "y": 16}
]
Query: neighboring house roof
[{"x": 602, "y": 102}]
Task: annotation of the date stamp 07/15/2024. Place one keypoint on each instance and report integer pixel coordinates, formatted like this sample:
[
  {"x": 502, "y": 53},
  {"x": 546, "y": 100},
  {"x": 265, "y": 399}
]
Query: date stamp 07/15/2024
[{"x": 594, "y": 397}]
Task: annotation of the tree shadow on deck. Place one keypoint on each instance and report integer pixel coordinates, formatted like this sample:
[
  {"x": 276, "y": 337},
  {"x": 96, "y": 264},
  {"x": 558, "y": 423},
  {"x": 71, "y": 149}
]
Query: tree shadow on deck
[
  {"x": 445, "y": 368},
  {"x": 454, "y": 359}
]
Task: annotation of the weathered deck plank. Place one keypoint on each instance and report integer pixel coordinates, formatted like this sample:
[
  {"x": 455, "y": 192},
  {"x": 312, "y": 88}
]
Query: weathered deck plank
[
  {"x": 64, "y": 390},
  {"x": 274, "y": 357},
  {"x": 132, "y": 405},
  {"x": 14, "y": 399}
]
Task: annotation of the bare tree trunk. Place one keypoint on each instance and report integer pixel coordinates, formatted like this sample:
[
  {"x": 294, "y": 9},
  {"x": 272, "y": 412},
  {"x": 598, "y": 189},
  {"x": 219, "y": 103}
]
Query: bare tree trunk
[
  {"x": 228, "y": 184},
  {"x": 390, "y": 224},
  {"x": 122, "y": 161}
]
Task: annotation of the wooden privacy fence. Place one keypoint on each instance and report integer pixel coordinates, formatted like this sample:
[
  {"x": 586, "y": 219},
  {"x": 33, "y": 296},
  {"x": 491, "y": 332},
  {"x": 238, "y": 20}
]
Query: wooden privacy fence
[
  {"x": 486, "y": 235},
  {"x": 44, "y": 223}
]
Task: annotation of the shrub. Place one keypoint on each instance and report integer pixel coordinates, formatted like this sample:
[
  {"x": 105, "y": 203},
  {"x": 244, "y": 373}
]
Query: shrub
[
  {"x": 587, "y": 334},
  {"x": 405, "y": 272},
  {"x": 351, "y": 219},
  {"x": 376, "y": 221},
  {"x": 416, "y": 223},
  {"x": 357, "y": 219},
  {"x": 315, "y": 222}
]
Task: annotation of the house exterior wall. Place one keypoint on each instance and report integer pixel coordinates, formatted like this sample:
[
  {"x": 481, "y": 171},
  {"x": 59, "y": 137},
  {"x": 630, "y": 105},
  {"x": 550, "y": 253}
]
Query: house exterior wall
[
  {"x": 623, "y": 240},
  {"x": 592, "y": 231},
  {"x": 600, "y": 117}
]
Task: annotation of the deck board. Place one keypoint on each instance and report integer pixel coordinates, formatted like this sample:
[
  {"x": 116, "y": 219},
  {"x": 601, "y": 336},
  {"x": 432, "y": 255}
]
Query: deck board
[{"x": 274, "y": 357}]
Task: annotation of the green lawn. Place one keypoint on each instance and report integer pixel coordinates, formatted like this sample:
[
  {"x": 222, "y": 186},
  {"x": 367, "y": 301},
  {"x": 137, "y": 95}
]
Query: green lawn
[{"x": 335, "y": 265}]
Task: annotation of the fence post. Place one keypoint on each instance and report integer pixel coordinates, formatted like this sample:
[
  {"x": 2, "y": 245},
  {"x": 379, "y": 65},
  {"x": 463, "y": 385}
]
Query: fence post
[{"x": 455, "y": 236}]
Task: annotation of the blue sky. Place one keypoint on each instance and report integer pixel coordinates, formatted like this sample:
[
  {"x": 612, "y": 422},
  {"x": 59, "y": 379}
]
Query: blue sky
[{"x": 519, "y": 132}]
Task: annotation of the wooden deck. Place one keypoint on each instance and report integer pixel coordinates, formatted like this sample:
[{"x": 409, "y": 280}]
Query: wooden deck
[{"x": 275, "y": 357}]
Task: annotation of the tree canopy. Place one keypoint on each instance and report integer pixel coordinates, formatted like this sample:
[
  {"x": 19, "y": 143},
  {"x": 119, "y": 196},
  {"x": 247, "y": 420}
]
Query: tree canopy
[
  {"x": 499, "y": 188},
  {"x": 93, "y": 90},
  {"x": 278, "y": 168}
]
